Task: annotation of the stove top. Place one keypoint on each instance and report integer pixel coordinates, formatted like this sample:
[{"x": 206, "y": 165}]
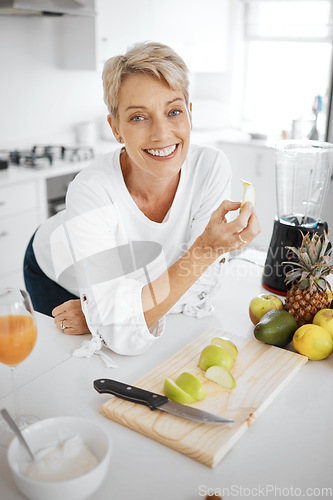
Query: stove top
[{"x": 40, "y": 156}]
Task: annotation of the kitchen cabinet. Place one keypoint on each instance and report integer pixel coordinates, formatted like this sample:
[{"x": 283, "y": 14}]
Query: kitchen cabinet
[
  {"x": 24, "y": 204},
  {"x": 19, "y": 217},
  {"x": 254, "y": 163}
]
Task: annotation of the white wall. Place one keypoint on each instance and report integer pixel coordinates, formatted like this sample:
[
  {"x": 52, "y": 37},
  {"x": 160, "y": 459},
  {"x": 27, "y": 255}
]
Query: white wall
[{"x": 39, "y": 102}]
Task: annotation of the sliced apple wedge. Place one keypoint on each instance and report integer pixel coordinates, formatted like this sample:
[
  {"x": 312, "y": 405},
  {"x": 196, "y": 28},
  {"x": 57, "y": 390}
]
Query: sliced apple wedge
[
  {"x": 192, "y": 385},
  {"x": 175, "y": 393},
  {"x": 213, "y": 355},
  {"x": 227, "y": 344},
  {"x": 249, "y": 193},
  {"x": 221, "y": 376}
]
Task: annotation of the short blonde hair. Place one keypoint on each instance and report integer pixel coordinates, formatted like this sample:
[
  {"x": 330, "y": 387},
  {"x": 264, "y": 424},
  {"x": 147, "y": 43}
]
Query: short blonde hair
[{"x": 149, "y": 58}]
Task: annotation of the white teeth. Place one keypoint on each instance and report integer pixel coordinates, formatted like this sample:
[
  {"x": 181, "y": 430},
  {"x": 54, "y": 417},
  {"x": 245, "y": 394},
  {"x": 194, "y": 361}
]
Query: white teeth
[{"x": 162, "y": 152}]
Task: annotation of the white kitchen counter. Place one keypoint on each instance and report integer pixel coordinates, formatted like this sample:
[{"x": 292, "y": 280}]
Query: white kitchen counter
[
  {"x": 15, "y": 174},
  {"x": 288, "y": 446}
]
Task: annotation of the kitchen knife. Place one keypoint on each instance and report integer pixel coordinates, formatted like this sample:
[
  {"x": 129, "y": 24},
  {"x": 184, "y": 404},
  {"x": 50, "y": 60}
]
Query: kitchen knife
[{"x": 156, "y": 401}]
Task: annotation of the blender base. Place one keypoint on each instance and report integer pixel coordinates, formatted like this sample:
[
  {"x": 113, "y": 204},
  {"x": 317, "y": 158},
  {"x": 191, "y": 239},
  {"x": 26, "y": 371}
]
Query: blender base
[{"x": 284, "y": 235}]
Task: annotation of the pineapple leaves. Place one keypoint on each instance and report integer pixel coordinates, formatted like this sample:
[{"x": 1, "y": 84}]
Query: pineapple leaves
[
  {"x": 304, "y": 259},
  {"x": 293, "y": 275},
  {"x": 321, "y": 283},
  {"x": 305, "y": 275},
  {"x": 313, "y": 251},
  {"x": 323, "y": 249},
  {"x": 318, "y": 250},
  {"x": 307, "y": 260},
  {"x": 295, "y": 250},
  {"x": 312, "y": 262},
  {"x": 304, "y": 284}
]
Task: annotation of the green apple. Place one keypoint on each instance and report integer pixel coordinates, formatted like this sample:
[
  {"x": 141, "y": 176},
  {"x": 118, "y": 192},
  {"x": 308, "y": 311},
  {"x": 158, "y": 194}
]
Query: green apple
[
  {"x": 221, "y": 376},
  {"x": 324, "y": 318},
  {"x": 213, "y": 355},
  {"x": 192, "y": 385},
  {"x": 261, "y": 304},
  {"x": 227, "y": 344},
  {"x": 249, "y": 193},
  {"x": 174, "y": 392}
]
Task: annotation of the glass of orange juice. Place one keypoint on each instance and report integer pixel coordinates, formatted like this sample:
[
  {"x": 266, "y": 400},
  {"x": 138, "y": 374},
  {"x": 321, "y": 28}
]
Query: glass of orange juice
[{"x": 18, "y": 334}]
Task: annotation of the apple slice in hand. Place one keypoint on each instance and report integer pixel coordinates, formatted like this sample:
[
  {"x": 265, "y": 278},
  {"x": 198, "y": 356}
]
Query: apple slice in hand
[
  {"x": 249, "y": 193},
  {"x": 227, "y": 344},
  {"x": 221, "y": 376},
  {"x": 192, "y": 385},
  {"x": 175, "y": 393}
]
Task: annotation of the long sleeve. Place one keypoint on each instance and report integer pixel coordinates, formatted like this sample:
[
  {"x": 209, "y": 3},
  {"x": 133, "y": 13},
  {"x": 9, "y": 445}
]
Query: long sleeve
[
  {"x": 108, "y": 277},
  {"x": 217, "y": 187}
]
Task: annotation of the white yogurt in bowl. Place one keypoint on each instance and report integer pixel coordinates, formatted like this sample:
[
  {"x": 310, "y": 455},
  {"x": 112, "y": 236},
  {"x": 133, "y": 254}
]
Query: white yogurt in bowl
[
  {"x": 73, "y": 456},
  {"x": 69, "y": 459}
]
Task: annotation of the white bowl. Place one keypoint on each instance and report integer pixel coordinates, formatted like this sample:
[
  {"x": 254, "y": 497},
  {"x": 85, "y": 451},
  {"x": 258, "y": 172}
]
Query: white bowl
[{"x": 45, "y": 432}]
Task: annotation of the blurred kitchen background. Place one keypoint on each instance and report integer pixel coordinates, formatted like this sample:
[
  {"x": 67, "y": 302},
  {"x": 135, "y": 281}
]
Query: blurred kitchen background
[{"x": 261, "y": 71}]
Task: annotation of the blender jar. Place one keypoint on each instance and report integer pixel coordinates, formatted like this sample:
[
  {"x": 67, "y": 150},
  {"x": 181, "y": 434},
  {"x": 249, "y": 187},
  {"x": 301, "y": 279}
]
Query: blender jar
[{"x": 303, "y": 172}]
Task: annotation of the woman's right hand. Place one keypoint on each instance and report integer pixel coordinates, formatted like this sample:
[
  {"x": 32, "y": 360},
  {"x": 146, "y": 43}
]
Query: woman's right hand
[{"x": 221, "y": 236}]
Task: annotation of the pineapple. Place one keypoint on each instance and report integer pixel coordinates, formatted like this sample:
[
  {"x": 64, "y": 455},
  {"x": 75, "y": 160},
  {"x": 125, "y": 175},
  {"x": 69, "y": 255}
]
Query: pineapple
[{"x": 307, "y": 294}]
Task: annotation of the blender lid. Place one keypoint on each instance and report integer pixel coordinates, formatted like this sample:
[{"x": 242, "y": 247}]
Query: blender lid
[{"x": 305, "y": 146}]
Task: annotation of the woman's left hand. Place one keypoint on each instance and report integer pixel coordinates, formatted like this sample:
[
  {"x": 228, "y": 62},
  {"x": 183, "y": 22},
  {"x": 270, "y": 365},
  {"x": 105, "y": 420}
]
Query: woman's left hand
[
  {"x": 69, "y": 318},
  {"x": 221, "y": 236}
]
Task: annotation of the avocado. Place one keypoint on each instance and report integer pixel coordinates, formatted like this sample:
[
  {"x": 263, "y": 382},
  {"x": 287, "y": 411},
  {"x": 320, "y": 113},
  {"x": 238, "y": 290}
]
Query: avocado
[{"x": 276, "y": 327}]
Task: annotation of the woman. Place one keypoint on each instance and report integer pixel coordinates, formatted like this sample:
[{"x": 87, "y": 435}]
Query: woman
[{"x": 145, "y": 226}]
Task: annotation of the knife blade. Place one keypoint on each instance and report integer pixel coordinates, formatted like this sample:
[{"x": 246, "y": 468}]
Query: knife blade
[{"x": 156, "y": 401}]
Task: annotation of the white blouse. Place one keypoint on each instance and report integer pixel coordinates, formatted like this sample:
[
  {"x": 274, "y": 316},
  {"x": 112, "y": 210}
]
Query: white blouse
[{"x": 103, "y": 249}]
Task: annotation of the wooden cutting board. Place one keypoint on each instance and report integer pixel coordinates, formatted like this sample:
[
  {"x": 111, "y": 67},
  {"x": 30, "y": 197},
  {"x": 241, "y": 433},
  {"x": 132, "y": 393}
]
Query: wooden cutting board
[{"x": 261, "y": 372}]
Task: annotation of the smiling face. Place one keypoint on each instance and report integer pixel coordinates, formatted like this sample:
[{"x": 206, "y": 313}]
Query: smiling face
[{"x": 154, "y": 123}]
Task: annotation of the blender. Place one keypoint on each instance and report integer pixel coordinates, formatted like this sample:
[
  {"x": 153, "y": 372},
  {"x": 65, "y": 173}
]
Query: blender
[{"x": 303, "y": 174}]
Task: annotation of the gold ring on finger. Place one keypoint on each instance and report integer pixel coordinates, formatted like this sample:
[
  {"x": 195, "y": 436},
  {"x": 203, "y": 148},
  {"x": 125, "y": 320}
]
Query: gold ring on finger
[{"x": 244, "y": 242}]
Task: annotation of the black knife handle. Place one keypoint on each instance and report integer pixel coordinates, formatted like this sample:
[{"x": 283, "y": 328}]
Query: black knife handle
[{"x": 130, "y": 393}]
